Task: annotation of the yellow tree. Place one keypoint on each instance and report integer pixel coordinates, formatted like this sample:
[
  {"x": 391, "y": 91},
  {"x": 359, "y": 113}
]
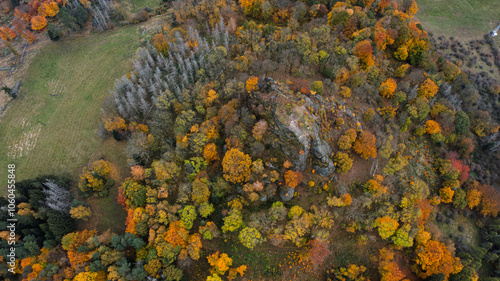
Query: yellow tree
[
  {"x": 386, "y": 226},
  {"x": 446, "y": 194},
  {"x": 220, "y": 263},
  {"x": 80, "y": 212},
  {"x": 413, "y": 9},
  {"x": 343, "y": 162},
  {"x": 200, "y": 192},
  {"x": 473, "y": 198},
  {"x": 387, "y": 88}
]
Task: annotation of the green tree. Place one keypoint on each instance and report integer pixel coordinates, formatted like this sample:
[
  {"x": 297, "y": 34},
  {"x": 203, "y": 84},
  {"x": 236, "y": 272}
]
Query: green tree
[
  {"x": 188, "y": 215},
  {"x": 462, "y": 122},
  {"x": 278, "y": 211},
  {"x": 401, "y": 237},
  {"x": 459, "y": 199},
  {"x": 317, "y": 86},
  {"x": 135, "y": 193}
]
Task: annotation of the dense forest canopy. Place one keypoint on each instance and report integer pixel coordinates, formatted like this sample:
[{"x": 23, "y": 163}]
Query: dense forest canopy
[{"x": 333, "y": 131}]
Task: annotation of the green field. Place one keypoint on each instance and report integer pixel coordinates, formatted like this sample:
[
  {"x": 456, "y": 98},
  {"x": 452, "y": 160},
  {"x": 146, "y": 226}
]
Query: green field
[
  {"x": 135, "y": 6},
  {"x": 459, "y": 18},
  {"x": 51, "y": 128}
]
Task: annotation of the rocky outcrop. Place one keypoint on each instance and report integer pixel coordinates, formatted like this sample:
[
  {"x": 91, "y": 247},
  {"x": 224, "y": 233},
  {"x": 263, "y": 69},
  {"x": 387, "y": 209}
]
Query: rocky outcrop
[{"x": 296, "y": 127}]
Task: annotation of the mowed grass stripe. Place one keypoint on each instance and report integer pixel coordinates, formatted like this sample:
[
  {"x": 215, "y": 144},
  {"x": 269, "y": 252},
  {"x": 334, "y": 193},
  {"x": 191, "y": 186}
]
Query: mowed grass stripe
[{"x": 82, "y": 70}]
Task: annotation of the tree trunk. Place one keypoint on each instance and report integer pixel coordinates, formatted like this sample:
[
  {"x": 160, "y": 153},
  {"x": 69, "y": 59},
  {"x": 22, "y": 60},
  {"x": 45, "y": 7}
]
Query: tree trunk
[{"x": 8, "y": 44}]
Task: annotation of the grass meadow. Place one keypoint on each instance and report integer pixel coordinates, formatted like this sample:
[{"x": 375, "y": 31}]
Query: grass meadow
[
  {"x": 466, "y": 19},
  {"x": 51, "y": 128}
]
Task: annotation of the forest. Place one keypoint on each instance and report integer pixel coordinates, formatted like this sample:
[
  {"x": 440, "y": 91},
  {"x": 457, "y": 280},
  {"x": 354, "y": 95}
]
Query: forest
[{"x": 273, "y": 140}]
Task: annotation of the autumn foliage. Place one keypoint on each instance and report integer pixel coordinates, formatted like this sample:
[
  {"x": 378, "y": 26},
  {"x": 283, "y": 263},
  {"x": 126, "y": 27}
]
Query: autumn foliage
[
  {"x": 293, "y": 178},
  {"x": 386, "y": 226},
  {"x": 427, "y": 89},
  {"x": 343, "y": 162},
  {"x": 251, "y": 84},
  {"x": 161, "y": 43},
  {"x": 434, "y": 258},
  {"x": 210, "y": 153},
  {"x": 364, "y": 51},
  {"x": 48, "y": 9},
  {"x": 95, "y": 177},
  {"x": 236, "y": 166},
  {"x": 38, "y": 22},
  {"x": 473, "y": 198},
  {"x": 490, "y": 200},
  {"x": 387, "y": 88},
  {"x": 365, "y": 145},
  {"x": 388, "y": 268},
  {"x": 432, "y": 127},
  {"x": 7, "y": 33}
]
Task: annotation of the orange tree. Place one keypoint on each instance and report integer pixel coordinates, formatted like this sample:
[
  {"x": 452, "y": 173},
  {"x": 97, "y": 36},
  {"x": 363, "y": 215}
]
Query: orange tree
[
  {"x": 387, "y": 88},
  {"x": 434, "y": 258},
  {"x": 365, "y": 145},
  {"x": 293, "y": 178},
  {"x": 428, "y": 89},
  {"x": 236, "y": 166},
  {"x": 364, "y": 51}
]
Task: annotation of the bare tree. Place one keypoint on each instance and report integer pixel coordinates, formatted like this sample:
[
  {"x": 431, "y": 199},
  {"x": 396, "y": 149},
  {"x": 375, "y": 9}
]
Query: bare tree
[{"x": 58, "y": 197}]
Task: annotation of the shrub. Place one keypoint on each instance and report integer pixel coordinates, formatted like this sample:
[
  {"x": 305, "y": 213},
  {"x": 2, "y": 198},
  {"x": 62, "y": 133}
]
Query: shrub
[
  {"x": 81, "y": 213},
  {"x": 54, "y": 32},
  {"x": 368, "y": 116},
  {"x": 317, "y": 86},
  {"x": 345, "y": 92}
]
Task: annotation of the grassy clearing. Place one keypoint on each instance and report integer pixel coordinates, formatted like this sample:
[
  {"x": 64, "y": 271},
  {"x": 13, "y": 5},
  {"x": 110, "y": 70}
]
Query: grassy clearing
[
  {"x": 460, "y": 18},
  {"x": 134, "y": 6},
  {"x": 469, "y": 230},
  {"x": 51, "y": 128}
]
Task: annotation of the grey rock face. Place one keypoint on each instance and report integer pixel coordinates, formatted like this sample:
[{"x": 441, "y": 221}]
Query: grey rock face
[{"x": 297, "y": 128}]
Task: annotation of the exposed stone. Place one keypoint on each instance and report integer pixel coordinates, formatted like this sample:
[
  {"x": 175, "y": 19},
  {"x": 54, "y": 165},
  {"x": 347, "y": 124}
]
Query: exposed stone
[
  {"x": 296, "y": 127},
  {"x": 287, "y": 193}
]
